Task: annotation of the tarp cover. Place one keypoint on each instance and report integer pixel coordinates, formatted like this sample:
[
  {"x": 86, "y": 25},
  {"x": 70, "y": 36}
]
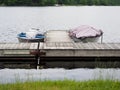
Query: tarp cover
[{"x": 85, "y": 31}]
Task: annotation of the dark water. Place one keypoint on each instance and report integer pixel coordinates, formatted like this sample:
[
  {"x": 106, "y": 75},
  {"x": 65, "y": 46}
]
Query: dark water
[{"x": 17, "y": 19}]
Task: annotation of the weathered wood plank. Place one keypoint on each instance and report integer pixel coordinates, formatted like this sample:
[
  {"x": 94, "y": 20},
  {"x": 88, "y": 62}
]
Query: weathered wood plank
[
  {"x": 11, "y": 46},
  {"x": 57, "y": 36},
  {"x": 110, "y": 46},
  {"x": 57, "y": 44},
  {"x": 49, "y": 45},
  {"x": 105, "y": 46},
  {"x": 76, "y": 46},
  {"x": 80, "y": 45},
  {"x": 1, "y": 46},
  {"x": 94, "y": 46},
  {"x": 100, "y": 46},
  {"x": 16, "y": 52},
  {"x": 41, "y": 46},
  {"x": 117, "y": 45},
  {"x": 90, "y": 46},
  {"x": 34, "y": 46}
]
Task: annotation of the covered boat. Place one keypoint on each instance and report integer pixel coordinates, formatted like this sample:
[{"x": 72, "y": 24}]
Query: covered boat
[
  {"x": 33, "y": 35},
  {"x": 85, "y": 33}
]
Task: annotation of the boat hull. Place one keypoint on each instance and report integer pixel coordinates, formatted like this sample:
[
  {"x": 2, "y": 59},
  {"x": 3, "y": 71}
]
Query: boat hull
[
  {"x": 30, "y": 40},
  {"x": 87, "y": 39}
]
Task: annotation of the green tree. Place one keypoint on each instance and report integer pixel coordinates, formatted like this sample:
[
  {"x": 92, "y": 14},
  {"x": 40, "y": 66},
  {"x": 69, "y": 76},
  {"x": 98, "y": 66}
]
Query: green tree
[
  {"x": 10, "y": 2},
  {"x": 42, "y": 2},
  {"x": 89, "y": 2},
  {"x": 97, "y": 2},
  {"x": 67, "y": 2},
  {"x": 83, "y": 2},
  {"x": 51, "y": 2},
  {"x": 1, "y": 1},
  {"x": 60, "y": 1}
]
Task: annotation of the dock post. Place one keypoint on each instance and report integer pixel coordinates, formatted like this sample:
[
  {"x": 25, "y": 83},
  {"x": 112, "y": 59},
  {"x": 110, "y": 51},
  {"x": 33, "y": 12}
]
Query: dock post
[
  {"x": 102, "y": 38},
  {"x": 38, "y": 56},
  {"x": 38, "y": 62}
]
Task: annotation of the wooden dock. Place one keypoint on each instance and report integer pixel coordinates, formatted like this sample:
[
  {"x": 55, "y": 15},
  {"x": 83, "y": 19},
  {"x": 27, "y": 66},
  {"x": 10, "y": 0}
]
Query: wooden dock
[
  {"x": 81, "y": 49},
  {"x": 17, "y": 49},
  {"x": 57, "y": 36},
  {"x": 59, "y": 50},
  {"x": 58, "y": 43},
  {"x": 18, "y": 55}
]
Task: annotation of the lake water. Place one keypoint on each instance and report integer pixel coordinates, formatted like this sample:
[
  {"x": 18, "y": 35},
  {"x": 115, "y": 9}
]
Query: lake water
[
  {"x": 22, "y": 75},
  {"x": 14, "y": 20}
]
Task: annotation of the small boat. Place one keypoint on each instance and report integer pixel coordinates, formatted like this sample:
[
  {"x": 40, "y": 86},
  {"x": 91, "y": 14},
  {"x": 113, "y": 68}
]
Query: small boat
[
  {"x": 33, "y": 35},
  {"x": 85, "y": 33}
]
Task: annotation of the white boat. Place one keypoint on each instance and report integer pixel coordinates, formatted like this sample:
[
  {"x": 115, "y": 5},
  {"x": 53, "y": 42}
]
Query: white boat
[
  {"x": 33, "y": 35},
  {"x": 85, "y": 33}
]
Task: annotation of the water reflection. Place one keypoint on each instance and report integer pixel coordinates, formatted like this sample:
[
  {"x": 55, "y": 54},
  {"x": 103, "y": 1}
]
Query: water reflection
[{"x": 13, "y": 75}]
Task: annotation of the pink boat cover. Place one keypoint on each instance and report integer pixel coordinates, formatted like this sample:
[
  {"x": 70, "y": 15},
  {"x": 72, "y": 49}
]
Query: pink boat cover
[{"x": 85, "y": 31}]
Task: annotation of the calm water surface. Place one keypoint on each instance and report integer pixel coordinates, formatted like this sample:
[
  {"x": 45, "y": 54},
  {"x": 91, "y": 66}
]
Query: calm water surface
[
  {"x": 14, "y": 20},
  {"x": 22, "y": 75}
]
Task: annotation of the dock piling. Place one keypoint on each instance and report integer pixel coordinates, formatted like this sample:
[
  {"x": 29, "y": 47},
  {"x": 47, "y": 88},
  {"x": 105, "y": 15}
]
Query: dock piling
[
  {"x": 38, "y": 63},
  {"x": 38, "y": 56}
]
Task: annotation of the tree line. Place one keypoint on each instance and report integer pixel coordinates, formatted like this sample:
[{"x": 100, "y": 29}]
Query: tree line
[{"x": 60, "y": 2}]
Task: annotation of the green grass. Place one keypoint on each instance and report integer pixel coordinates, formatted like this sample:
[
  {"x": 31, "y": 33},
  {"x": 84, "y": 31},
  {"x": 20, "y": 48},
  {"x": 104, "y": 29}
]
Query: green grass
[{"x": 64, "y": 85}]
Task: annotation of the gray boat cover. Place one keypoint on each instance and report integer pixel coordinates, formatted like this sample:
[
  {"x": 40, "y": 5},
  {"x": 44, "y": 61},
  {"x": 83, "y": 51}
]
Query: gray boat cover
[{"x": 84, "y": 31}]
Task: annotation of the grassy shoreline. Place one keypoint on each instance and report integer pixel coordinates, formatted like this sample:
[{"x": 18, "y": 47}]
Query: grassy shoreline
[{"x": 64, "y": 85}]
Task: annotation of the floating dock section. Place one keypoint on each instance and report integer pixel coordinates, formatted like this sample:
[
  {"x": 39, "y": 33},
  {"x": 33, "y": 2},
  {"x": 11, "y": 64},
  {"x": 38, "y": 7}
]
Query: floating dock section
[
  {"x": 18, "y": 55},
  {"x": 59, "y": 50},
  {"x": 17, "y": 49}
]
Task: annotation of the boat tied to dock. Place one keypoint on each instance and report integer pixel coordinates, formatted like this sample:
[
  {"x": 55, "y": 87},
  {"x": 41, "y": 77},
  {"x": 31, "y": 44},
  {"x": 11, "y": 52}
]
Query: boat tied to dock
[
  {"x": 33, "y": 35},
  {"x": 85, "y": 33}
]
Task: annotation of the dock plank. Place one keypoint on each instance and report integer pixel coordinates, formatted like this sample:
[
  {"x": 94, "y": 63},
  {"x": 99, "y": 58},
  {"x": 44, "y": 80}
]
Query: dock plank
[
  {"x": 16, "y": 52},
  {"x": 91, "y": 46},
  {"x": 110, "y": 46},
  {"x": 100, "y": 46},
  {"x": 88, "y": 46},
  {"x": 117, "y": 45},
  {"x": 105, "y": 46},
  {"x": 1, "y": 46},
  {"x": 79, "y": 45},
  {"x": 41, "y": 46},
  {"x": 57, "y": 36},
  {"x": 57, "y": 44},
  {"x": 49, "y": 45},
  {"x": 75, "y": 45},
  {"x": 33, "y": 45},
  {"x": 13, "y": 46},
  {"x": 94, "y": 46}
]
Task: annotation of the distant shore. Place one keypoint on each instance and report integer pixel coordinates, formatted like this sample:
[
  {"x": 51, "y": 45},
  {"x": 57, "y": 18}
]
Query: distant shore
[{"x": 59, "y": 2}]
